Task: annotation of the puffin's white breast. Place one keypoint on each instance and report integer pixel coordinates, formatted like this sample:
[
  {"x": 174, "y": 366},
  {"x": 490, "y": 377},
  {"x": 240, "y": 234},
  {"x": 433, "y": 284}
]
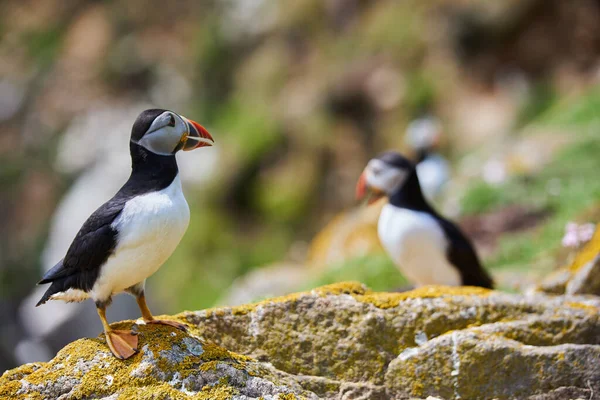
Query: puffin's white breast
[
  {"x": 417, "y": 244},
  {"x": 150, "y": 228}
]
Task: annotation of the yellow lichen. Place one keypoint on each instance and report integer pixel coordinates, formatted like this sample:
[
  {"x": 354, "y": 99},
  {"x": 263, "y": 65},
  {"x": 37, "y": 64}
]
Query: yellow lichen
[
  {"x": 588, "y": 253},
  {"x": 152, "y": 338},
  {"x": 389, "y": 300},
  {"x": 287, "y": 396},
  {"x": 358, "y": 291},
  {"x": 9, "y": 389},
  {"x": 582, "y": 306}
]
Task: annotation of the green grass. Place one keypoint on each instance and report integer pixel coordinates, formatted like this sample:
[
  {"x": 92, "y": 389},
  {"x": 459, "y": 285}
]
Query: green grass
[
  {"x": 582, "y": 111},
  {"x": 568, "y": 185},
  {"x": 377, "y": 271}
]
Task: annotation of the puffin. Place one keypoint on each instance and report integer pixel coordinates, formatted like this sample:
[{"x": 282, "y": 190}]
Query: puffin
[
  {"x": 130, "y": 236},
  {"x": 423, "y": 136},
  {"x": 426, "y": 247}
]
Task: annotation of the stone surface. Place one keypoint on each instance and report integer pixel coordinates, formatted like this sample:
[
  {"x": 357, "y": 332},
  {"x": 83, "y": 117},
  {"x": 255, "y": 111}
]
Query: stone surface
[
  {"x": 344, "y": 342},
  {"x": 581, "y": 277},
  {"x": 170, "y": 365}
]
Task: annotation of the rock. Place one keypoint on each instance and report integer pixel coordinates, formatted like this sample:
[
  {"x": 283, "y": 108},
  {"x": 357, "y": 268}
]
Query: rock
[
  {"x": 170, "y": 365},
  {"x": 345, "y": 342},
  {"x": 582, "y": 276},
  {"x": 350, "y": 234},
  {"x": 586, "y": 280}
]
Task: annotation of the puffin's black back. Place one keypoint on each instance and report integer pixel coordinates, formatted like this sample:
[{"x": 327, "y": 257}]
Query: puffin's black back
[{"x": 461, "y": 254}]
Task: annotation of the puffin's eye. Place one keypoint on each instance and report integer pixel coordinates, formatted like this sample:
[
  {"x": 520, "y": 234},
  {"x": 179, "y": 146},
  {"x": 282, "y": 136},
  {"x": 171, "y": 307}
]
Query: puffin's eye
[{"x": 171, "y": 120}]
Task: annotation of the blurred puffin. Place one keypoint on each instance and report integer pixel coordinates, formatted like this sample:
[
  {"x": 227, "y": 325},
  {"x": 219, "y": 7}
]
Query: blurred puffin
[
  {"x": 423, "y": 135},
  {"x": 426, "y": 247},
  {"x": 129, "y": 237}
]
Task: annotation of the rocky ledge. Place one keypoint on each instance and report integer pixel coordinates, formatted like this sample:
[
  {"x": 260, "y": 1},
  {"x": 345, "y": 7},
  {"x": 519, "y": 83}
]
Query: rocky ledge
[
  {"x": 344, "y": 342},
  {"x": 581, "y": 276}
]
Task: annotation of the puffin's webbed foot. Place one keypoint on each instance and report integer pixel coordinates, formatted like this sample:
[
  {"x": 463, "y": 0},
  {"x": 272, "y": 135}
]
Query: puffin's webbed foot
[
  {"x": 123, "y": 344},
  {"x": 147, "y": 315}
]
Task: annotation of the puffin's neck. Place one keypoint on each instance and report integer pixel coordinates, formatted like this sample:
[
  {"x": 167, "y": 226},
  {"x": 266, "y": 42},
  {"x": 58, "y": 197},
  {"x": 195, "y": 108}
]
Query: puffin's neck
[
  {"x": 422, "y": 154},
  {"x": 151, "y": 171},
  {"x": 410, "y": 196}
]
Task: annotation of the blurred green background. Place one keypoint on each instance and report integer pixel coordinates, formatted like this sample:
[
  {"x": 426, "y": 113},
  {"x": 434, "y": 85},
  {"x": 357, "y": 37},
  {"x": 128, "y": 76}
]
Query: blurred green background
[{"x": 298, "y": 95}]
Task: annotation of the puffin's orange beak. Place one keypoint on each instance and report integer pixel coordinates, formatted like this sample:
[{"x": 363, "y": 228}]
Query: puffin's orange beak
[
  {"x": 361, "y": 186},
  {"x": 198, "y": 136},
  {"x": 362, "y": 189}
]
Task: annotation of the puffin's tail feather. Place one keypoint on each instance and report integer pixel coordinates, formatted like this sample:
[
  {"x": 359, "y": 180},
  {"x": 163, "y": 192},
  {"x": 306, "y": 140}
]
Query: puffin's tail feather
[
  {"x": 54, "y": 288},
  {"x": 58, "y": 285},
  {"x": 54, "y": 273}
]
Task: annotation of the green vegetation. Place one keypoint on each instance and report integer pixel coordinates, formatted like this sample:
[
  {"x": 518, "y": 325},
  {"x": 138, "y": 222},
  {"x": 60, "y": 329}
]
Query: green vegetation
[
  {"x": 376, "y": 271},
  {"x": 43, "y": 45},
  {"x": 568, "y": 186}
]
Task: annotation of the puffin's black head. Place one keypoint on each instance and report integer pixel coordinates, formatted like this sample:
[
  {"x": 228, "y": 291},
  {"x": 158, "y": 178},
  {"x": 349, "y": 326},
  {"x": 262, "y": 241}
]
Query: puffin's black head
[
  {"x": 384, "y": 175},
  {"x": 165, "y": 132}
]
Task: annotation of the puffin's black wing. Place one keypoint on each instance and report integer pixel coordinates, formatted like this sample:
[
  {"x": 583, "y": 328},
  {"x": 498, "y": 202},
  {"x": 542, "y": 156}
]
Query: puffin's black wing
[
  {"x": 463, "y": 256},
  {"x": 93, "y": 244}
]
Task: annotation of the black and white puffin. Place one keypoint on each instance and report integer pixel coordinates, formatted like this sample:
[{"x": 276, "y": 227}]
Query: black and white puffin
[
  {"x": 129, "y": 237},
  {"x": 425, "y": 246},
  {"x": 424, "y": 135}
]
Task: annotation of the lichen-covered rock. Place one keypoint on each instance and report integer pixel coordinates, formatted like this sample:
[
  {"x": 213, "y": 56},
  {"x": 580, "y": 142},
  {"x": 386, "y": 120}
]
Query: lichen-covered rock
[
  {"x": 344, "y": 342},
  {"x": 170, "y": 365},
  {"x": 345, "y": 339},
  {"x": 582, "y": 276}
]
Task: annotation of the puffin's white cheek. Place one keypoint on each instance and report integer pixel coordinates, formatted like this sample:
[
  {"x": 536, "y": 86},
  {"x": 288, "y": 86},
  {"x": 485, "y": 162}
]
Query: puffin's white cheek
[
  {"x": 161, "y": 142},
  {"x": 376, "y": 182},
  {"x": 389, "y": 181}
]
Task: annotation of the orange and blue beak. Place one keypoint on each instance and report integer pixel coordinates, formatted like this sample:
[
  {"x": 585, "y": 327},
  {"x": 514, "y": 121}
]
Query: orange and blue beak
[{"x": 197, "y": 137}]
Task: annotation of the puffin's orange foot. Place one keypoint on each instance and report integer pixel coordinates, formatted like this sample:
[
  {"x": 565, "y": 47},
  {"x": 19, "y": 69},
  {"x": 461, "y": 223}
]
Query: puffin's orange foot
[
  {"x": 178, "y": 325},
  {"x": 123, "y": 344}
]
